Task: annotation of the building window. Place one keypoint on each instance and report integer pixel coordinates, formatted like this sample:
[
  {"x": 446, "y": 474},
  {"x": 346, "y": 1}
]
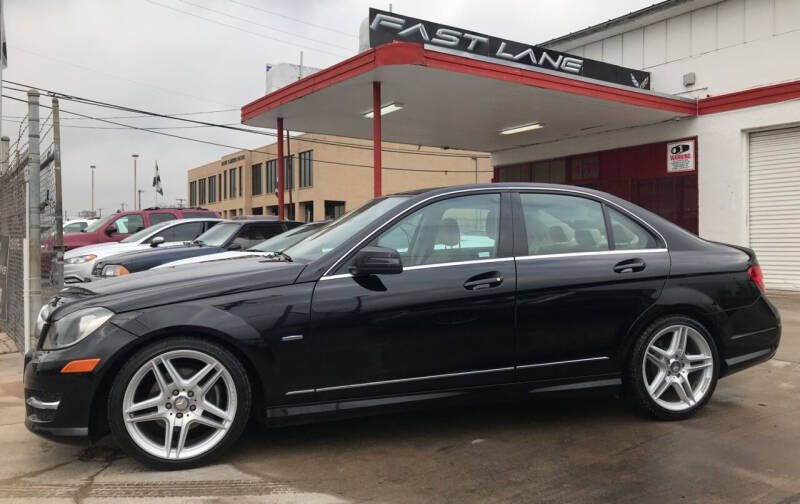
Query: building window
[
  {"x": 192, "y": 193},
  {"x": 240, "y": 181},
  {"x": 225, "y": 184},
  {"x": 306, "y": 169},
  {"x": 232, "y": 183},
  {"x": 288, "y": 172},
  {"x": 272, "y": 176},
  {"x": 333, "y": 209},
  {"x": 219, "y": 187},
  {"x": 212, "y": 189},
  {"x": 256, "y": 179},
  {"x": 201, "y": 188}
]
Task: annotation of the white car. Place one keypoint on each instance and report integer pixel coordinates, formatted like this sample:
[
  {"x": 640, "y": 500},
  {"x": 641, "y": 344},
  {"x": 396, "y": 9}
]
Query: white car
[
  {"x": 273, "y": 245},
  {"x": 78, "y": 262},
  {"x": 77, "y": 225}
]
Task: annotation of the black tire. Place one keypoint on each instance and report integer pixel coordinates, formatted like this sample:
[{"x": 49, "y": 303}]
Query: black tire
[
  {"x": 635, "y": 381},
  {"x": 137, "y": 360}
]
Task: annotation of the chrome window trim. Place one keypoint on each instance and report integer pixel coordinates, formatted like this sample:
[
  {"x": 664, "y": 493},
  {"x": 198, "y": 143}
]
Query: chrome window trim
[
  {"x": 559, "y": 363},
  {"x": 446, "y": 375},
  {"x": 593, "y": 253},
  {"x": 499, "y": 189},
  {"x": 437, "y": 265}
]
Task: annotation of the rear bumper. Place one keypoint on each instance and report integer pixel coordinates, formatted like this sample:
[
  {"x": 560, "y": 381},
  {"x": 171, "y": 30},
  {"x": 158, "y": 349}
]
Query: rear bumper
[{"x": 753, "y": 336}]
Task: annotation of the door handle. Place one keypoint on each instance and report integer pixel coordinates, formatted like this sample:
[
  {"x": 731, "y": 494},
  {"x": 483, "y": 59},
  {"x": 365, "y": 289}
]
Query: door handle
[
  {"x": 484, "y": 281},
  {"x": 630, "y": 266}
]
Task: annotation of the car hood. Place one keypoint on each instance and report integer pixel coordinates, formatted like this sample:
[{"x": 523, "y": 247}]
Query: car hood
[
  {"x": 180, "y": 284},
  {"x": 150, "y": 257},
  {"x": 74, "y": 240},
  {"x": 103, "y": 249},
  {"x": 228, "y": 254}
]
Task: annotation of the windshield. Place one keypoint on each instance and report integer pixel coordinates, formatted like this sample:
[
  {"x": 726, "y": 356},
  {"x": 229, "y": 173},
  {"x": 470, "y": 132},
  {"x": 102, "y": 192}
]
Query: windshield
[
  {"x": 218, "y": 235},
  {"x": 342, "y": 229},
  {"x": 135, "y": 237},
  {"x": 98, "y": 224},
  {"x": 287, "y": 239}
]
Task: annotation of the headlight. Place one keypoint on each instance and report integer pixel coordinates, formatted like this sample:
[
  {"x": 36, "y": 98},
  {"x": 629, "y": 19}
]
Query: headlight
[
  {"x": 80, "y": 259},
  {"x": 113, "y": 270},
  {"x": 74, "y": 327},
  {"x": 42, "y": 318}
]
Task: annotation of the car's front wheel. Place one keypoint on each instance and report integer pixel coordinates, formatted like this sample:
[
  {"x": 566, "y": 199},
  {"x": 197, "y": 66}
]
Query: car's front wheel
[
  {"x": 673, "y": 369},
  {"x": 179, "y": 403}
]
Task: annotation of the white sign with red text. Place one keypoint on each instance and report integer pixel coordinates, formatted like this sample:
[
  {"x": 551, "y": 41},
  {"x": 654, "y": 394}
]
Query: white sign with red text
[{"x": 681, "y": 156}]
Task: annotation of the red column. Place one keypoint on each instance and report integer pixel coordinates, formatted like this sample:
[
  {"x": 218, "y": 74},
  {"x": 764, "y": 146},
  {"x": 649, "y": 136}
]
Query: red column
[
  {"x": 280, "y": 168},
  {"x": 376, "y": 138}
]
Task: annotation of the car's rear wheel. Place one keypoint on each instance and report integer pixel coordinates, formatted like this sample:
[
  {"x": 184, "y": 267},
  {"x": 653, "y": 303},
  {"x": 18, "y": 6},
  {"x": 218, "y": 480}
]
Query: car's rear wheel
[
  {"x": 179, "y": 403},
  {"x": 673, "y": 368}
]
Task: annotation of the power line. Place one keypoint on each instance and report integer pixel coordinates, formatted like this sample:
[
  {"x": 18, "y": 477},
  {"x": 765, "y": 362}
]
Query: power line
[
  {"x": 271, "y": 13},
  {"x": 121, "y": 127},
  {"x": 89, "y": 69},
  {"x": 203, "y": 112},
  {"x": 280, "y": 41},
  {"x": 207, "y": 142},
  {"x": 232, "y": 127},
  {"x": 265, "y": 26}
]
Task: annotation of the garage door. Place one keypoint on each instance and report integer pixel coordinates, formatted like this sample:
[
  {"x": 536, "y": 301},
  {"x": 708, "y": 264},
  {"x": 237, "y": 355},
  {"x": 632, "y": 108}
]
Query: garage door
[{"x": 775, "y": 205}]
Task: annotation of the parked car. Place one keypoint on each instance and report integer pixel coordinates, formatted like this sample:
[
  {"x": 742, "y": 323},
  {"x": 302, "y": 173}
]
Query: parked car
[
  {"x": 78, "y": 262},
  {"x": 568, "y": 289},
  {"x": 118, "y": 226},
  {"x": 76, "y": 225},
  {"x": 273, "y": 245},
  {"x": 226, "y": 236}
]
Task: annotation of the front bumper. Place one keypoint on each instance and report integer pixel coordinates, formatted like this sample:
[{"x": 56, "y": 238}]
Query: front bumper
[
  {"x": 61, "y": 406},
  {"x": 77, "y": 273}
]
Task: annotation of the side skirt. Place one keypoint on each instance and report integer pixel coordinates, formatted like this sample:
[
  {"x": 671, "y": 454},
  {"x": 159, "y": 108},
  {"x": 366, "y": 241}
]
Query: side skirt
[{"x": 320, "y": 411}]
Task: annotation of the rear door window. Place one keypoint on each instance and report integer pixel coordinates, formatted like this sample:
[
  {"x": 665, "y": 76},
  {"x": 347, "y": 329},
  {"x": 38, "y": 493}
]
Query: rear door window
[
  {"x": 561, "y": 224},
  {"x": 182, "y": 232},
  {"x": 628, "y": 234},
  {"x": 157, "y": 217},
  {"x": 198, "y": 215},
  {"x": 253, "y": 234}
]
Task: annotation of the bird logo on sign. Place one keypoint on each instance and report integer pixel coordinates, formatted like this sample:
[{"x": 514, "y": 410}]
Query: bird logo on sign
[{"x": 640, "y": 85}]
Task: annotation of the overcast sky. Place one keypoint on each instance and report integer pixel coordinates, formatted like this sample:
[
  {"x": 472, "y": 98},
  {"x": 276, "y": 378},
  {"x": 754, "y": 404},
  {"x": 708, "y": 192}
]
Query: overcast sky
[{"x": 178, "y": 56}]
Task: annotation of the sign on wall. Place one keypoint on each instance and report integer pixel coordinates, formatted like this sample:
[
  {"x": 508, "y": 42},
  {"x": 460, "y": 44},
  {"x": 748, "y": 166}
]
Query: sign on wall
[
  {"x": 386, "y": 27},
  {"x": 681, "y": 156}
]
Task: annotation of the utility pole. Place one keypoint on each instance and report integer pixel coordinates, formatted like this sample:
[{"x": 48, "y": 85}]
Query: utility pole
[
  {"x": 140, "y": 198},
  {"x": 475, "y": 158},
  {"x": 34, "y": 219},
  {"x": 122, "y": 205},
  {"x": 92, "y": 167},
  {"x": 180, "y": 202},
  {"x": 134, "y": 156},
  {"x": 59, "y": 248}
]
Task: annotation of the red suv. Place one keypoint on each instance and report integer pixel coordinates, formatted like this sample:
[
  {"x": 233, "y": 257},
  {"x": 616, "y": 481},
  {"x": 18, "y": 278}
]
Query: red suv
[{"x": 117, "y": 226}]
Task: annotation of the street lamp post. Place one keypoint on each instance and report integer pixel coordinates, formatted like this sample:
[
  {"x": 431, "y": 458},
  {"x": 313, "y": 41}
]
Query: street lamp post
[
  {"x": 92, "y": 167},
  {"x": 135, "y": 195}
]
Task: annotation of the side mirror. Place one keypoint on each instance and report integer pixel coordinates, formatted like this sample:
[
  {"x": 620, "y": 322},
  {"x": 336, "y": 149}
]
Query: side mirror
[
  {"x": 235, "y": 246},
  {"x": 377, "y": 261},
  {"x": 112, "y": 229},
  {"x": 158, "y": 240}
]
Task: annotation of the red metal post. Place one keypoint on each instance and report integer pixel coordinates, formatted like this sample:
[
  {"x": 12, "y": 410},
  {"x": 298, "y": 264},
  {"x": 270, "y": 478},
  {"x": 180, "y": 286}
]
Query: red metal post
[
  {"x": 280, "y": 168},
  {"x": 376, "y": 138}
]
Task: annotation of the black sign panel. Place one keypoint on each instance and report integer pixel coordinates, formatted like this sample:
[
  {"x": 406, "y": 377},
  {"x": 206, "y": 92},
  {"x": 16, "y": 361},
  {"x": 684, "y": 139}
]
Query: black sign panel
[{"x": 385, "y": 27}]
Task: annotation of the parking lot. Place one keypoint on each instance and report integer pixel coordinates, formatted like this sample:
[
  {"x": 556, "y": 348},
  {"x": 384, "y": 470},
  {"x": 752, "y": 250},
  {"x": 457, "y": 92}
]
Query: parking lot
[{"x": 742, "y": 448}]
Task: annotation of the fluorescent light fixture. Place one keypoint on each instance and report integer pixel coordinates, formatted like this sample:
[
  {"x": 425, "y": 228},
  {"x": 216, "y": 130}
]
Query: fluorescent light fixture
[
  {"x": 386, "y": 109},
  {"x": 522, "y": 128}
]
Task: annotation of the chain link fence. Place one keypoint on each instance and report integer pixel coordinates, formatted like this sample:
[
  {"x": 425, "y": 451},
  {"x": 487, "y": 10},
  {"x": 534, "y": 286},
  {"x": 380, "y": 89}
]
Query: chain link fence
[{"x": 19, "y": 293}]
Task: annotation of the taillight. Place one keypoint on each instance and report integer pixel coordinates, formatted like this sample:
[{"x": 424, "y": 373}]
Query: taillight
[{"x": 757, "y": 277}]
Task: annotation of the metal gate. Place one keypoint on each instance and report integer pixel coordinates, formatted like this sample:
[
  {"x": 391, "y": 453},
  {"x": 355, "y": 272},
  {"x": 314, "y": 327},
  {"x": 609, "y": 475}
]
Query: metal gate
[{"x": 774, "y": 205}]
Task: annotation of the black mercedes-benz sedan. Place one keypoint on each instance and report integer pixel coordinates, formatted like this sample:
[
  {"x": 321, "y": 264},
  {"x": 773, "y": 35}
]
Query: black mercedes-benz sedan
[{"x": 421, "y": 297}]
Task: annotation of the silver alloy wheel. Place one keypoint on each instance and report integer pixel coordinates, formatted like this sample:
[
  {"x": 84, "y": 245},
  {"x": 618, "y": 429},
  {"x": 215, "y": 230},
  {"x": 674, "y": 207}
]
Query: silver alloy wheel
[
  {"x": 678, "y": 367},
  {"x": 179, "y": 404}
]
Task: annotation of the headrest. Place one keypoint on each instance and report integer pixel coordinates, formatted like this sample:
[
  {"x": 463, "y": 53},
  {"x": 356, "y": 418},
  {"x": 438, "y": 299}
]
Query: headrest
[
  {"x": 557, "y": 234},
  {"x": 449, "y": 234},
  {"x": 492, "y": 224}
]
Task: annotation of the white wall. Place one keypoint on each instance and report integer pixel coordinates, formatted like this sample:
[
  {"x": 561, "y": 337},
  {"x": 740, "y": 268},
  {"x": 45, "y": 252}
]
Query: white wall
[
  {"x": 722, "y": 159},
  {"x": 731, "y": 45}
]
